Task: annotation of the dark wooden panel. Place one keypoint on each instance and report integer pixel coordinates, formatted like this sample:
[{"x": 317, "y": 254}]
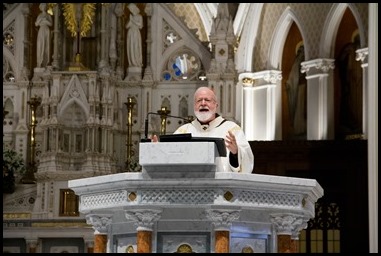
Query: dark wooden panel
[{"x": 341, "y": 169}]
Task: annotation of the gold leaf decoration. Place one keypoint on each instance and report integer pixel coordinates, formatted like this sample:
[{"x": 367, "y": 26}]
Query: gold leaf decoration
[
  {"x": 79, "y": 13},
  {"x": 87, "y": 19},
  {"x": 69, "y": 14}
]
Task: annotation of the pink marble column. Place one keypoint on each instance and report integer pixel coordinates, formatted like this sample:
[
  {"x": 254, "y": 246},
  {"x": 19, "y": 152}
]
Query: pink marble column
[
  {"x": 284, "y": 243},
  {"x": 100, "y": 243},
  {"x": 222, "y": 242},
  {"x": 144, "y": 242}
]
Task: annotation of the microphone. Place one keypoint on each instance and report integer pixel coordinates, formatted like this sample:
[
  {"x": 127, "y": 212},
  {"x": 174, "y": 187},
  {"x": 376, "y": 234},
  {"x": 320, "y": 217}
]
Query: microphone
[
  {"x": 186, "y": 120},
  {"x": 146, "y": 139}
]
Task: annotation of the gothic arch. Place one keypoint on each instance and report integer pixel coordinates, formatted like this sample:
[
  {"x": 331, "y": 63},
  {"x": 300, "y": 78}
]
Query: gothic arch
[
  {"x": 280, "y": 35},
  {"x": 240, "y": 18},
  {"x": 69, "y": 104},
  {"x": 207, "y": 12},
  {"x": 74, "y": 93},
  {"x": 10, "y": 58},
  {"x": 9, "y": 106},
  {"x": 244, "y": 55},
  {"x": 331, "y": 26}
]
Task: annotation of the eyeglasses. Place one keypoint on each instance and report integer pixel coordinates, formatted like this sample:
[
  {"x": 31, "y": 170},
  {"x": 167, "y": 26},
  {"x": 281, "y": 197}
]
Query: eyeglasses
[{"x": 199, "y": 101}]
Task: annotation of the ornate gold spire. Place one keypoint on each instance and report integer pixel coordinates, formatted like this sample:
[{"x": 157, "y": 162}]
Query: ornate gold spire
[{"x": 79, "y": 17}]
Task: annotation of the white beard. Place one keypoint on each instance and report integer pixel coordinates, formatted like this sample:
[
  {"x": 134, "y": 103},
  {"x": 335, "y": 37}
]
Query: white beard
[{"x": 204, "y": 116}]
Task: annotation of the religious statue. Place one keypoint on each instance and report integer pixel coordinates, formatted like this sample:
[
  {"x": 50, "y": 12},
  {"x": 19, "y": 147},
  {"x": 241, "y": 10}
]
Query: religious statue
[
  {"x": 44, "y": 21},
  {"x": 134, "y": 40},
  {"x": 296, "y": 91}
]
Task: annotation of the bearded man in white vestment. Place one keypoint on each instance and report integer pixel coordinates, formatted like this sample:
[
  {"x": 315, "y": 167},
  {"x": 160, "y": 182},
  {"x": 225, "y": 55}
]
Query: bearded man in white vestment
[{"x": 209, "y": 123}]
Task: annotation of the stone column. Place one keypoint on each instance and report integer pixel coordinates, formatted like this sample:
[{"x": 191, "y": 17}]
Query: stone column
[
  {"x": 320, "y": 109},
  {"x": 148, "y": 71},
  {"x": 100, "y": 224},
  {"x": 144, "y": 222},
  {"x": 372, "y": 128},
  {"x": 26, "y": 7},
  {"x": 288, "y": 227},
  {"x": 221, "y": 241},
  {"x": 222, "y": 74},
  {"x": 144, "y": 241},
  {"x": 32, "y": 245},
  {"x": 222, "y": 220},
  {"x": 362, "y": 55},
  {"x": 119, "y": 11},
  {"x": 261, "y": 89},
  {"x": 56, "y": 38},
  {"x": 100, "y": 243},
  {"x": 104, "y": 37},
  {"x": 148, "y": 81}
]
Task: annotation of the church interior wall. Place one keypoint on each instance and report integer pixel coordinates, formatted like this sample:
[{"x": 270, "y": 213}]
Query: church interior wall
[{"x": 323, "y": 30}]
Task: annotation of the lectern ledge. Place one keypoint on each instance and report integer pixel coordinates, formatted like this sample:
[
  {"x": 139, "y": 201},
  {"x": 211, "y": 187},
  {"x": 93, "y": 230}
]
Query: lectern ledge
[{"x": 192, "y": 159}]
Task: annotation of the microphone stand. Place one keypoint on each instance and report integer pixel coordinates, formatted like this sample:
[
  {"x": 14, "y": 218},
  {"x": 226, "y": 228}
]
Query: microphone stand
[
  {"x": 146, "y": 139},
  {"x": 163, "y": 115}
]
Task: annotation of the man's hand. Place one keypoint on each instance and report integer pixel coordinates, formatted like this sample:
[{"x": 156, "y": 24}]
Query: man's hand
[
  {"x": 154, "y": 138},
  {"x": 231, "y": 143}
]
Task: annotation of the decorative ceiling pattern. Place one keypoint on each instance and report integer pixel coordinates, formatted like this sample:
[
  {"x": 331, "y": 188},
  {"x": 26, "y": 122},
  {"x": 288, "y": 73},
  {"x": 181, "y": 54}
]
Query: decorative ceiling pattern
[
  {"x": 270, "y": 16},
  {"x": 191, "y": 17}
]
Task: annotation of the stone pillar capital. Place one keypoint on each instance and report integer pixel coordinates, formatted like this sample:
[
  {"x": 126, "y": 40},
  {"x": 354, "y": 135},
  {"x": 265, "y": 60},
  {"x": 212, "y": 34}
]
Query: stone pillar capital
[
  {"x": 266, "y": 78},
  {"x": 362, "y": 55},
  {"x": 144, "y": 218},
  {"x": 222, "y": 219},
  {"x": 289, "y": 224},
  {"x": 100, "y": 222},
  {"x": 317, "y": 66}
]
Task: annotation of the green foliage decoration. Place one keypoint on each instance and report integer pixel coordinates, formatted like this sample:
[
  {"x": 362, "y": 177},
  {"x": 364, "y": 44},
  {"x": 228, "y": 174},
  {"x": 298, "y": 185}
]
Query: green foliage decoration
[{"x": 13, "y": 164}]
